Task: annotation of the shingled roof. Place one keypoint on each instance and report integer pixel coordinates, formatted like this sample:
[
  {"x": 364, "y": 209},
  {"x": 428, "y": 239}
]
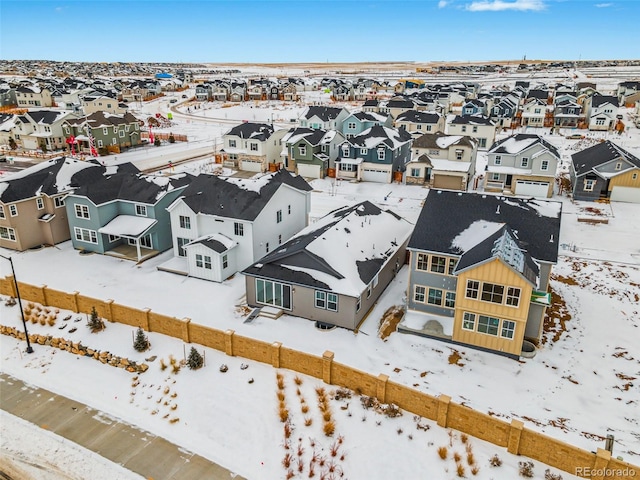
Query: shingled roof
[
  {"x": 599, "y": 154},
  {"x": 517, "y": 143},
  {"x": 254, "y": 131}
]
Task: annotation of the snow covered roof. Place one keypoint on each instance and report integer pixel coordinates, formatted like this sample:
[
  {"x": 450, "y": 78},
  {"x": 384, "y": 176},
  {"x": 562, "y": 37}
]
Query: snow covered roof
[
  {"x": 128, "y": 226},
  {"x": 250, "y": 130},
  {"x": 520, "y": 142},
  {"x": 442, "y": 141},
  {"x": 450, "y": 165},
  {"x": 217, "y": 242},
  {"x": 376, "y": 135},
  {"x": 452, "y": 222},
  {"x": 599, "y": 154},
  {"x": 342, "y": 252}
]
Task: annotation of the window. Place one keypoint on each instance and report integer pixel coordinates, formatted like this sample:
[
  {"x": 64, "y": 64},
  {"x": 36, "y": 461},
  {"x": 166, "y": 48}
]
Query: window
[
  {"x": 428, "y": 128},
  {"x": 380, "y": 154},
  {"x": 464, "y": 128},
  {"x": 513, "y": 296},
  {"x": 232, "y": 143},
  {"x": 544, "y": 166},
  {"x": 351, "y": 125},
  {"x": 332, "y": 302},
  {"x": 497, "y": 160},
  {"x": 100, "y": 144},
  {"x": 121, "y": 133},
  {"x": 475, "y": 129},
  {"x": 473, "y": 288},
  {"x": 438, "y": 264},
  {"x": 181, "y": 243},
  {"x": 419, "y": 293},
  {"x": 459, "y": 154},
  {"x": 280, "y": 239},
  {"x": 435, "y": 296},
  {"x": 253, "y": 147},
  {"x": 141, "y": 210},
  {"x": 39, "y": 203},
  {"x": 589, "y": 185},
  {"x": 348, "y": 167},
  {"x": 368, "y": 291},
  {"x": 452, "y": 266},
  {"x": 8, "y": 234},
  {"x": 469, "y": 321},
  {"x": 450, "y": 299},
  {"x": 364, "y": 151},
  {"x": 321, "y": 299},
  {"x": 58, "y": 202},
  {"x": 415, "y": 172},
  {"x": 105, "y": 131},
  {"x": 600, "y": 121},
  {"x": 422, "y": 262},
  {"x": 266, "y": 247},
  {"x": 289, "y": 209},
  {"x": 82, "y": 211},
  {"x": 203, "y": 261},
  {"x": 508, "y": 329},
  {"x": 419, "y": 126},
  {"x": 524, "y": 162},
  {"x": 238, "y": 229},
  {"x": 225, "y": 261},
  {"x": 273, "y": 293},
  {"x": 303, "y": 150},
  {"x": 278, "y": 216},
  {"x": 619, "y": 166},
  {"x": 85, "y": 235},
  {"x": 13, "y": 210},
  {"x": 185, "y": 222},
  {"x": 358, "y": 305},
  {"x": 113, "y": 238},
  {"x": 2, "y": 215},
  {"x": 488, "y": 325},
  {"x": 634, "y": 176},
  {"x": 492, "y": 293}
]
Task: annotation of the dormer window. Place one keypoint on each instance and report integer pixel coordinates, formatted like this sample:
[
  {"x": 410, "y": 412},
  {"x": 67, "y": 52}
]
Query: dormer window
[
  {"x": 618, "y": 166},
  {"x": 497, "y": 160}
]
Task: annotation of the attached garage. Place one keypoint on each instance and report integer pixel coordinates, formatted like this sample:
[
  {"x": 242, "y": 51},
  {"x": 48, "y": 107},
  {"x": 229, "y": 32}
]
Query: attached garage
[
  {"x": 625, "y": 194},
  {"x": 309, "y": 170},
  {"x": 251, "y": 166},
  {"x": 447, "y": 182},
  {"x": 530, "y": 188},
  {"x": 378, "y": 175}
]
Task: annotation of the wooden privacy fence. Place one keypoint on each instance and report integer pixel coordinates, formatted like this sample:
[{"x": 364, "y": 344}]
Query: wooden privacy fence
[{"x": 513, "y": 436}]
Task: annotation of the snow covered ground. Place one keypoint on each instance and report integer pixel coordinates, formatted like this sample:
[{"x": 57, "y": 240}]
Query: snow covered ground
[{"x": 578, "y": 388}]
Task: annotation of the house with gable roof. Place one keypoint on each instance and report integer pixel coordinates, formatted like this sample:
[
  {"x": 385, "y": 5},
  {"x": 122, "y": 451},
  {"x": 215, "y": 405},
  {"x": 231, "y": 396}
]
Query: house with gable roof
[
  {"x": 442, "y": 161},
  {"x": 222, "y": 225},
  {"x": 253, "y": 147},
  {"x": 32, "y": 201},
  {"x": 333, "y": 271},
  {"x": 318, "y": 117},
  {"x": 522, "y": 164},
  {"x": 475, "y": 126},
  {"x": 504, "y": 111},
  {"x": 358, "y": 122},
  {"x": 419, "y": 122},
  {"x": 479, "y": 270},
  {"x": 32, "y": 96},
  {"x": 124, "y": 213},
  {"x": 109, "y": 131},
  {"x": 41, "y": 129},
  {"x": 605, "y": 170},
  {"x": 310, "y": 152},
  {"x": 379, "y": 154},
  {"x": 601, "y": 112}
]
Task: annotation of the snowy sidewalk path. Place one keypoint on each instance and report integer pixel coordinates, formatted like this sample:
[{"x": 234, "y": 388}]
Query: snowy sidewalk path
[{"x": 136, "y": 450}]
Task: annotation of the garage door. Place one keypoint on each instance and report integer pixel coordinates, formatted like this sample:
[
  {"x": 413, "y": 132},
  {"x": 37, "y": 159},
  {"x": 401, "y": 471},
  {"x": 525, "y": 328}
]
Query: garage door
[
  {"x": 376, "y": 175},
  {"x": 250, "y": 166},
  {"x": 532, "y": 189},
  {"x": 309, "y": 170},
  {"x": 625, "y": 194},
  {"x": 448, "y": 182}
]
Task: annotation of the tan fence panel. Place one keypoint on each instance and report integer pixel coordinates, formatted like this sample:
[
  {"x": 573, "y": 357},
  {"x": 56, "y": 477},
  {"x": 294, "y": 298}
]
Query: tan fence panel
[
  {"x": 301, "y": 362},
  {"x": 6, "y": 286},
  {"x": 128, "y": 315},
  {"x": 413, "y": 401},
  {"x": 166, "y": 325},
  {"x": 207, "y": 336},
  {"x": 478, "y": 424},
  {"x": 62, "y": 300},
  {"x": 356, "y": 380},
  {"x": 619, "y": 470},
  {"x": 31, "y": 293},
  {"x": 252, "y": 349},
  {"x": 554, "y": 452},
  {"x": 86, "y": 304}
]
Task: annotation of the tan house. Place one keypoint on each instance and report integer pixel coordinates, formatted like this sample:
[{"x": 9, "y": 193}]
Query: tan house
[
  {"x": 32, "y": 97},
  {"x": 102, "y": 103},
  {"x": 32, "y": 202},
  {"x": 253, "y": 147},
  {"x": 479, "y": 270}
]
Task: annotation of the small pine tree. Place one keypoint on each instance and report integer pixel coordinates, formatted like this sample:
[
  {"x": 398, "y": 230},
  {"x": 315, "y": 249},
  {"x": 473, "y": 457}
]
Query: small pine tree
[
  {"x": 195, "y": 360},
  {"x": 141, "y": 342},
  {"x": 96, "y": 324},
  {"x": 157, "y": 142},
  {"x": 172, "y": 139}
]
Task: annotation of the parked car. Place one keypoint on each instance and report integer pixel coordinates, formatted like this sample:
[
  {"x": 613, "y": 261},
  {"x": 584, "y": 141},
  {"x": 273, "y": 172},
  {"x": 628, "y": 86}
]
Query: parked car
[
  {"x": 173, "y": 100},
  {"x": 575, "y": 136}
]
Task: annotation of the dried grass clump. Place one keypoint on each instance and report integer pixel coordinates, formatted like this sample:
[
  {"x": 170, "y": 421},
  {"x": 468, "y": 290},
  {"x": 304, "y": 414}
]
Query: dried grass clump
[
  {"x": 280, "y": 381},
  {"x": 297, "y": 380},
  {"x": 457, "y": 457},
  {"x": 460, "y": 470},
  {"x": 495, "y": 461},
  {"x": 443, "y": 452},
  {"x": 329, "y": 428},
  {"x": 283, "y": 413},
  {"x": 308, "y": 421}
]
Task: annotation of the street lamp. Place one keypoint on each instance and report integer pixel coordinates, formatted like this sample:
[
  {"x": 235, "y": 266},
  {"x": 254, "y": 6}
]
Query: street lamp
[{"x": 24, "y": 323}]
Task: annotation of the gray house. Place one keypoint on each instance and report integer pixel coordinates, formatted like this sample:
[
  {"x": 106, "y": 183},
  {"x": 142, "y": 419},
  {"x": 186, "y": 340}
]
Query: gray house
[
  {"x": 124, "y": 214},
  {"x": 333, "y": 271}
]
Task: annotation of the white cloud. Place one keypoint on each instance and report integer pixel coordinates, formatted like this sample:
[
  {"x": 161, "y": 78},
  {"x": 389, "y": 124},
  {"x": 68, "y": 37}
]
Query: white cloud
[
  {"x": 501, "y": 5},
  {"x": 442, "y": 3},
  {"x": 604, "y": 5}
]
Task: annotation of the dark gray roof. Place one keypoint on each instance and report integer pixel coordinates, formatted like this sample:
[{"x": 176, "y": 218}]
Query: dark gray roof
[
  {"x": 43, "y": 178},
  {"x": 446, "y": 214},
  {"x": 371, "y": 103},
  {"x": 211, "y": 195},
  {"x": 471, "y": 120},
  {"x": 323, "y": 113},
  {"x": 256, "y": 131},
  {"x": 416, "y": 116},
  {"x": 392, "y": 138},
  {"x": 585, "y": 160},
  {"x": 430, "y": 140},
  {"x": 44, "y": 116},
  {"x": 506, "y": 145},
  {"x": 539, "y": 94},
  {"x": 401, "y": 103},
  {"x": 598, "y": 100}
]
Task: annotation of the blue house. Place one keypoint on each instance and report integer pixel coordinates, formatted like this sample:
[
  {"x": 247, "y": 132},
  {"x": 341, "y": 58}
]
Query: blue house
[
  {"x": 379, "y": 154},
  {"x": 356, "y": 123},
  {"x": 124, "y": 214}
]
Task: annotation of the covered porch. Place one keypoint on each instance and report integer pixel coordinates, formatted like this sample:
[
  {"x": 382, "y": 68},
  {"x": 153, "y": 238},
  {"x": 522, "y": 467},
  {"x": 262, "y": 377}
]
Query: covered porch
[{"x": 134, "y": 230}]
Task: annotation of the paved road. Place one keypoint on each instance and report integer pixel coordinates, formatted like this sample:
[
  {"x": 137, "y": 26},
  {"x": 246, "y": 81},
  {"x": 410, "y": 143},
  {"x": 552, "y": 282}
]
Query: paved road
[{"x": 139, "y": 451}]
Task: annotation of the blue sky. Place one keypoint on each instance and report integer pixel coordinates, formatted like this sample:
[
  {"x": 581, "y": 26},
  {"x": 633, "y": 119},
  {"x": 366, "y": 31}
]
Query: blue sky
[{"x": 318, "y": 31}]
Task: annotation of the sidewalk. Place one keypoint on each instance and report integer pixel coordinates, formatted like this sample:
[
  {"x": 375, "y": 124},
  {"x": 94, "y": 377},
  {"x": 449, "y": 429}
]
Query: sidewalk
[{"x": 141, "y": 452}]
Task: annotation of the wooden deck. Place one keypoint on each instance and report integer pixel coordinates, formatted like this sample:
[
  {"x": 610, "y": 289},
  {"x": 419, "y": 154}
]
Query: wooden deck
[{"x": 129, "y": 252}]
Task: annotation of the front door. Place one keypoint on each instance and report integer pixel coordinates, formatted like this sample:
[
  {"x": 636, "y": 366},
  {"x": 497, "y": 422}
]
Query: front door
[{"x": 507, "y": 183}]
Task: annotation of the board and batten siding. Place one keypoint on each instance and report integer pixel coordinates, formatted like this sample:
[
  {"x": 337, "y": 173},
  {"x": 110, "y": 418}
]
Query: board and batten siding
[
  {"x": 626, "y": 179},
  {"x": 499, "y": 273}
]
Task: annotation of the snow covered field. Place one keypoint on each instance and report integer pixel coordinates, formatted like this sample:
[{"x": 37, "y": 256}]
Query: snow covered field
[{"x": 579, "y": 387}]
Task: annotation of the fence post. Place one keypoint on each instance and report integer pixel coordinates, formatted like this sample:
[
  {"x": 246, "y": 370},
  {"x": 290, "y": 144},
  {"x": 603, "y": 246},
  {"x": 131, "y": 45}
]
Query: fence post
[
  {"x": 515, "y": 432},
  {"x": 275, "y": 354},
  {"x": 75, "y": 294},
  {"x": 228, "y": 342},
  {"x": 600, "y": 465},
  {"x": 186, "y": 337},
  {"x": 381, "y": 387},
  {"x": 443, "y": 409},
  {"x": 109, "y": 309},
  {"x": 44, "y": 295},
  {"x": 327, "y": 360},
  {"x": 146, "y": 326}
]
